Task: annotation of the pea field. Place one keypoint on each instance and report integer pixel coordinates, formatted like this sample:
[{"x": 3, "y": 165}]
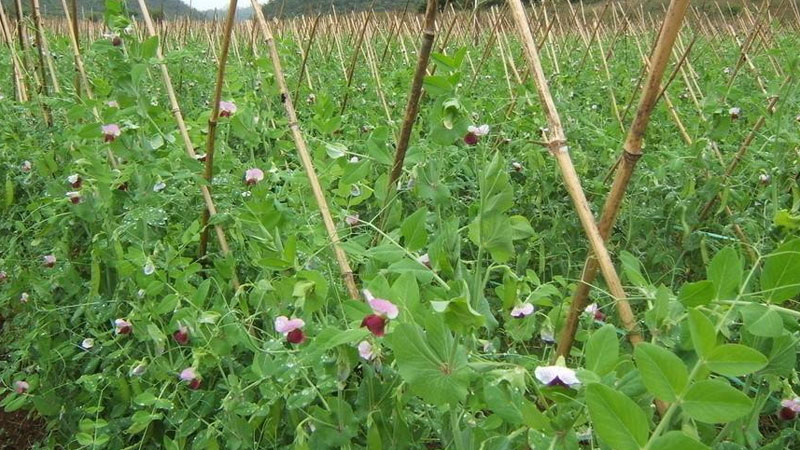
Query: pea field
[{"x": 510, "y": 225}]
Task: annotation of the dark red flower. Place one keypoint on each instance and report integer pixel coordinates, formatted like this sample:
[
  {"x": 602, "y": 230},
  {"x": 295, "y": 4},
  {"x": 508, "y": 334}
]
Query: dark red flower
[
  {"x": 181, "y": 336},
  {"x": 116, "y": 41},
  {"x": 195, "y": 384},
  {"x": 599, "y": 316},
  {"x": 787, "y": 413},
  {"x": 471, "y": 138},
  {"x": 375, "y": 324},
  {"x": 296, "y": 336}
]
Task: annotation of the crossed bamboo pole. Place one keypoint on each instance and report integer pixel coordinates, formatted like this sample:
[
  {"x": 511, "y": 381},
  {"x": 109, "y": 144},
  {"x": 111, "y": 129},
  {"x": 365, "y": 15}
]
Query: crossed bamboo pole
[
  {"x": 632, "y": 152},
  {"x": 19, "y": 77},
  {"x": 557, "y": 143},
  {"x": 208, "y": 172},
  {"x": 305, "y": 157},
  {"x": 187, "y": 141}
]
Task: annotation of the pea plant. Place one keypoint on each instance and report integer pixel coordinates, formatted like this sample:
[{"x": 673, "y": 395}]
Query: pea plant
[{"x": 383, "y": 230}]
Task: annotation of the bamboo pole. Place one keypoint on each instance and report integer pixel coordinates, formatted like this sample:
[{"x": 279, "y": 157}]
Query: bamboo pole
[
  {"x": 19, "y": 81},
  {"x": 305, "y": 157},
  {"x": 187, "y": 141},
  {"x": 412, "y": 106},
  {"x": 208, "y": 173},
  {"x": 353, "y": 62},
  {"x": 558, "y": 147},
  {"x": 632, "y": 152},
  {"x": 41, "y": 46}
]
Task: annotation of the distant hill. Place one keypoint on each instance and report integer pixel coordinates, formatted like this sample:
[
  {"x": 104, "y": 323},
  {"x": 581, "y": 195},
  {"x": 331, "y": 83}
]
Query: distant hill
[
  {"x": 289, "y": 8},
  {"x": 87, "y": 8}
]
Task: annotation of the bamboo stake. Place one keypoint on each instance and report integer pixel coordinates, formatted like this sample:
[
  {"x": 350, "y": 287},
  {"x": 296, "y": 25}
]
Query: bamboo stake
[
  {"x": 41, "y": 47},
  {"x": 352, "y": 68},
  {"x": 19, "y": 82},
  {"x": 208, "y": 173},
  {"x": 558, "y": 147},
  {"x": 305, "y": 157},
  {"x": 632, "y": 151},
  {"x": 412, "y": 106},
  {"x": 303, "y": 71},
  {"x": 187, "y": 141}
]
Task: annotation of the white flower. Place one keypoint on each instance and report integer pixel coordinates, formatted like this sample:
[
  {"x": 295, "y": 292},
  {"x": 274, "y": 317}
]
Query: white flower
[
  {"x": 365, "y": 350},
  {"x": 87, "y": 343},
  {"x": 547, "y": 336},
  {"x": 591, "y": 309},
  {"x": 138, "y": 370},
  {"x": 556, "y": 376},
  {"x": 522, "y": 310},
  {"x": 160, "y": 186},
  {"x": 354, "y": 159},
  {"x": 482, "y": 130},
  {"x": 149, "y": 268},
  {"x": 140, "y": 293},
  {"x": 355, "y": 191},
  {"x": 24, "y": 297}
]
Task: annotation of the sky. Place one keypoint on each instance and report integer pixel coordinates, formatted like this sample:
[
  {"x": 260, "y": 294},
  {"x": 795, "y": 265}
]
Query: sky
[{"x": 218, "y": 4}]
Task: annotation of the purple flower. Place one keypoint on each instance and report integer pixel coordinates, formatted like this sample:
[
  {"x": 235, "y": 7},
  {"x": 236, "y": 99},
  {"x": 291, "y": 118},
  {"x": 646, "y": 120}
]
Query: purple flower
[
  {"x": 556, "y": 376},
  {"x": 75, "y": 181},
  {"x": 291, "y": 328},
  {"x": 26, "y": 166},
  {"x": 21, "y": 387},
  {"x": 190, "y": 376},
  {"x": 253, "y": 176},
  {"x": 110, "y": 132},
  {"x": 122, "y": 326},
  {"x": 365, "y": 350},
  {"x": 49, "y": 260},
  {"x": 226, "y": 109},
  {"x": 522, "y": 310},
  {"x": 74, "y": 197}
]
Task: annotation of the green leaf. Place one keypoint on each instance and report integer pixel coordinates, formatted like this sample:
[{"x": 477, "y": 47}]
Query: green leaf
[
  {"x": 520, "y": 228},
  {"x": 676, "y": 440},
  {"x": 697, "y": 294},
  {"x": 631, "y": 269},
  {"x": 725, "y": 272},
  {"x": 780, "y": 278},
  {"x": 413, "y": 229},
  {"x": 704, "y": 337},
  {"x": 494, "y": 234},
  {"x": 761, "y": 320},
  {"x": 714, "y": 401},
  {"x": 331, "y": 337},
  {"x": 432, "y": 364},
  {"x": 735, "y": 360},
  {"x": 602, "y": 350},
  {"x": 459, "y": 314},
  {"x": 618, "y": 420},
  {"x": 663, "y": 373},
  {"x": 149, "y": 47},
  {"x": 336, "y": 150}
]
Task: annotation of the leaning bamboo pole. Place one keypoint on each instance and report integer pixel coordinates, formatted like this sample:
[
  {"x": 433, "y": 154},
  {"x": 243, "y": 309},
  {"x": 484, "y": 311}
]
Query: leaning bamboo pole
[
  {"x": 632, "y": 152},
  {"x": 41, "y": 48},
  {"x": 211, "y": 135},
  {"x": 305, "y": 156},
  {"x": 557, "y": 143},
  {"x": 184, "y": 132},
  {"x": 412, "y": 106},
  {"x": 19, "y": 78}
]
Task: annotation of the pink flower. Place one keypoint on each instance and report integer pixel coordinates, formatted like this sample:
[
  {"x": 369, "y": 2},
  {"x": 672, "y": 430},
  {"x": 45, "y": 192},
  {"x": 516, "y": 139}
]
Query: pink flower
[
  {"x": 482, "y": 130},
  {"x": 735, "y": 112},
  {"x": 112, "y": 104},
  {"x": 253, "y": 176},
  {"x": 181, "y": 336},
  {"x": 111, "y": 132},
  {"x": 365, "y": 350},
  {"x": 375, "y": 324},
  {"x": 26, "y": 166},
  {"x": 523, "y": 310},
  {"x": 226, "y": 109},
  {"x": 381, "y": 306},
  {"x": 425, "y": 260},
  {"x": 291, "y": 328},
  {"x": 556, "y": 376},
  {"x": 351, "y": 220},
  {"x": 122, "y": 326},
  {"x": 789, "y": 408},
  {"x": 75, "y": 181},
  {"x": 74, "y": 197},
  {"x": 595, "y": 312},
  {"x": 21, "y": 387},
  {"x": 48, "y": 260},
  {"x": 3, "y": 276},
  {"x": 190, "y": 377}
]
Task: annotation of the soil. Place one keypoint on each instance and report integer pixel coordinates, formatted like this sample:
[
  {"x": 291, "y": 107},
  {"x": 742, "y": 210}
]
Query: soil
[{"x": 19, "y": 430}]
